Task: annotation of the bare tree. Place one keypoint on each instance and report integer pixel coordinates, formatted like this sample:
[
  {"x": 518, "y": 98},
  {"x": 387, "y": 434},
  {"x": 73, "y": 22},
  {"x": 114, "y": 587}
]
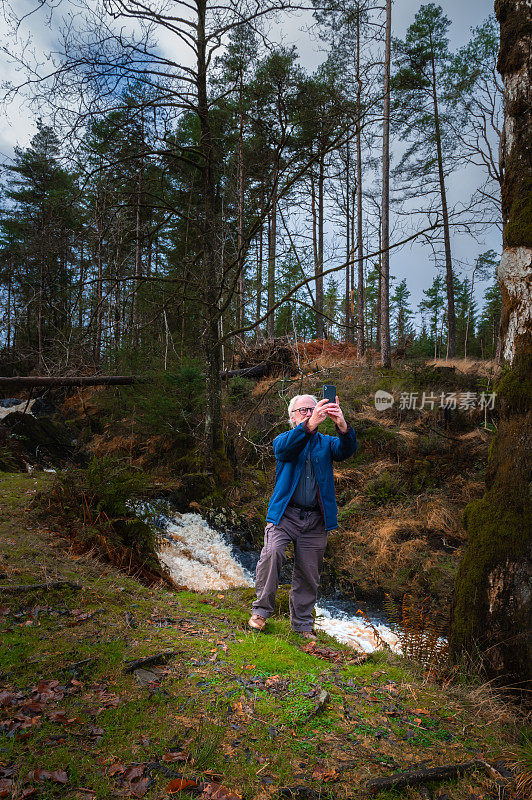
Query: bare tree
[{"x": 384, "y": 293}]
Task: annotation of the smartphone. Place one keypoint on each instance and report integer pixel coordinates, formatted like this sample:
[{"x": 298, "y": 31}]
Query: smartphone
[{"x": 329, "y": 392}]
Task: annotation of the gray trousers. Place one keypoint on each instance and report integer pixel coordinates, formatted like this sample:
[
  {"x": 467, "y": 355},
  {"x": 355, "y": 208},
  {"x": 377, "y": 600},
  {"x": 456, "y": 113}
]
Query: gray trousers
[{"x": 306, "y": 530}]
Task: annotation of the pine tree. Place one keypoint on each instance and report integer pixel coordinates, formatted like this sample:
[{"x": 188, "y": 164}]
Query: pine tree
[
  {"x": 421, "y": 118},
  {"x": 37, "y": 232},
  {"x": 433, "y": 304},
  {"x": 401, "y": 314},
  {"x": 488, "y": 328}
]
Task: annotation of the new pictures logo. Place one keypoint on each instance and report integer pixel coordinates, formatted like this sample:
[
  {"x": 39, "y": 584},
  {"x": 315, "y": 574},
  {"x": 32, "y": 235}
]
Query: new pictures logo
[{"x": 383, "y": 400}]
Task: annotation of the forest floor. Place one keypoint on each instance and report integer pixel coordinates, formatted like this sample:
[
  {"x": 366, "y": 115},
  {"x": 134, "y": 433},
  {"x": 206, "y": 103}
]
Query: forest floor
[{"x": 226, "y": 713}]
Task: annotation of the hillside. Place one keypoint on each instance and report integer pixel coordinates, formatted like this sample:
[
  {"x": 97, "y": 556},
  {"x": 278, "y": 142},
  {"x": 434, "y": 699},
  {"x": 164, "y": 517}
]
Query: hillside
[
  {"x": 226, "y": 710},
  {"x": 400, "y": 498}
]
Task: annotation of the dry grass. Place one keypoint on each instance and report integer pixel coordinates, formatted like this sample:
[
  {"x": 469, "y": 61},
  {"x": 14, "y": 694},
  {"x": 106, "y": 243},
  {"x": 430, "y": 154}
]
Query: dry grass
[
  {"x": 462, "y": 489},
  {"x": 348, "y": 476},
  {"x": 409, "y": 435},
  {"x": 442, "y": 515},
  {"x": 370, "y": 414},
  {"x": 468, "y": 366},
  {"x": 395, "y": 541},
  {"x": 106, "y": 444},
  {"x": 374, "y": 469}
]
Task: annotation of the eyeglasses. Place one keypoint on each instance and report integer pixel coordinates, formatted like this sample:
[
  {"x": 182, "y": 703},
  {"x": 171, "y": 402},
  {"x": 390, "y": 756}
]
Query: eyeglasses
[{"x": 304, "y": 411}]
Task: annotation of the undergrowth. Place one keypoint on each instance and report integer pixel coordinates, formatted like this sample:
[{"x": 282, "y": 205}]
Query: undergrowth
[{"x": 93, "y": 506}]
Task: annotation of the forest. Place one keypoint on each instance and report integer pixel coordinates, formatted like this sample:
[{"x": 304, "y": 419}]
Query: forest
[
  {"x": 103, "y": 221},
  {"x": 208, "y": 208}
]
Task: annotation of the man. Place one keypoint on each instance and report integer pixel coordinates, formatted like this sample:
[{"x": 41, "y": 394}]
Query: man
[{"x": 302, "y": 509}]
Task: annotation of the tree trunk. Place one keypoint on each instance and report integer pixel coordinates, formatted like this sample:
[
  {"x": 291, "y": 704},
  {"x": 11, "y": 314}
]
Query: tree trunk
[
  {"x": 8, "y": 341},
  {"x": 451, "y": 316},
  {"x": 361, "y": 344},
  {"x": 259, "y": 280},
  {"x": 215, "y": 448},
  {"x": 384, "y": 293},
  {"x": 320, "y": 327},
  {"x": 492, "y": 605},
  {"x": 240, "y": 220},
  {"x": 347, "y": 315},
  {"x": 272, "y": 244}
]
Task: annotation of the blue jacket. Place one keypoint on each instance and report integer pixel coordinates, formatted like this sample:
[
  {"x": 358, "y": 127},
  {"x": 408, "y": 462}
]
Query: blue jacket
[{"x": 291, "y": 449}]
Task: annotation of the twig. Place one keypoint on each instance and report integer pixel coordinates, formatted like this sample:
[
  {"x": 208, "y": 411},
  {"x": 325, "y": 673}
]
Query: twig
[
  {"x": 34, "y": 587},
  {"x": 158, "y": 658},
  {"x": 413, "y": 777}
]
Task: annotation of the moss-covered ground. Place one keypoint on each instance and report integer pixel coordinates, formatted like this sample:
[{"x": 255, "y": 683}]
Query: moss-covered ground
[{"x": 227, "y": 706}]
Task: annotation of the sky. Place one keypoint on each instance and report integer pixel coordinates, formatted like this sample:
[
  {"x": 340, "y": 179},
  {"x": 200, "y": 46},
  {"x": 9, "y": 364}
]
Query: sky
[{"x": 415, "y": 263}]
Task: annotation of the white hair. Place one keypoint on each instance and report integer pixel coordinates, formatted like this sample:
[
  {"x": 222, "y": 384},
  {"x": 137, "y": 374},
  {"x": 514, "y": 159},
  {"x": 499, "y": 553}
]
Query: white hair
[{"x": 292, "y": 403}]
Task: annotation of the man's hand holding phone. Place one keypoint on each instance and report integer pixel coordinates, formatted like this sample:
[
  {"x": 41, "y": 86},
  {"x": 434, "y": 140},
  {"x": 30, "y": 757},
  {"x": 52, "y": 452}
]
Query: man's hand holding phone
[
  {"x": 319, "y": 415},
  {"x": 327, "y": 408},
  {"x": 335, "y": 413},
  {"x": 333, "y": 410}
]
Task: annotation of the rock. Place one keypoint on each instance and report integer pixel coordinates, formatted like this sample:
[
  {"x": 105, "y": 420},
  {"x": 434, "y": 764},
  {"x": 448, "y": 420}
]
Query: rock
[{"x": 145, "y": 676}]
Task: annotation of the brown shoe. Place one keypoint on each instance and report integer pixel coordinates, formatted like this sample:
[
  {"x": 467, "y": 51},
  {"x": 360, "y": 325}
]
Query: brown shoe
[
  {"x": 257, "y": 622},
  {"x": 310, "y": 635}
]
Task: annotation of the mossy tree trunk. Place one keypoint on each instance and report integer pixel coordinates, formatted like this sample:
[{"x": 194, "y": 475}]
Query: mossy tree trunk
[{"x": 492, "y": 605}]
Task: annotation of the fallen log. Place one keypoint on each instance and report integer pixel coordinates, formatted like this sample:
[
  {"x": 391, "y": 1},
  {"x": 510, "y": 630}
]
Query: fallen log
[
  {"x": 71, "y": 380},
  {"x": 35, "y": 587},
  {"x": 157, "y": 658},
  {"x": 257, "y": 371},
  {"x": 413, "y": 777}
]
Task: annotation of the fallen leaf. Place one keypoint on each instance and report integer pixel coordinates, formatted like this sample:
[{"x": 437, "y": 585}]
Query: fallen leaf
[
  {"x": 5, "y": 787},
  {"x": 6, "y": 698},
  {"x": 216, "y": 791},
  {"x": 419, "y": 711},
  {"x": 179, "y": 784},
  {"x": 171, "y": 757},
  {"x": 133, "y": 772},
  {"x": 58, "y": 775},
  {"x": 324, "y": 775},
  {"x": 29, "y": 791},
  {"x": 140, "y": 787},
  {"x": 116, "y": 769}
]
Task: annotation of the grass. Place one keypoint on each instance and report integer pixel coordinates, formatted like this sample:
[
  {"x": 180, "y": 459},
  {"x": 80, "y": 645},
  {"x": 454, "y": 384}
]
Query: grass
[{"x": 234, "y": 703}]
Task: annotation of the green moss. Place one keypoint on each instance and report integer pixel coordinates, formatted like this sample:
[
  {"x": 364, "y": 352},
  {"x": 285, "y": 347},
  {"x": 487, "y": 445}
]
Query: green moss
[
  {"x": 498, "y": 527},
  {"x": 378, "y": 434},
  {"x": 514, "y": 389},
  {"x": 385, "y": 489},
  {"x": 518, "y": 230},
  {"x": 495, "y": 534}
]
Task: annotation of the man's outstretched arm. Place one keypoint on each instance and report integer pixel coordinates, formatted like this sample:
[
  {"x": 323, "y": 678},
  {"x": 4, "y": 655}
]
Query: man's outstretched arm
[
  {"x": 287, "y": 446},
  {"x": 344, "y": 445}
]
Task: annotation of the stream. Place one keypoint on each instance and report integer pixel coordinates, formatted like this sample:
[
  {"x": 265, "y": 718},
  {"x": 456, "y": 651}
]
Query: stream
[{"x": 203, "y": 559}]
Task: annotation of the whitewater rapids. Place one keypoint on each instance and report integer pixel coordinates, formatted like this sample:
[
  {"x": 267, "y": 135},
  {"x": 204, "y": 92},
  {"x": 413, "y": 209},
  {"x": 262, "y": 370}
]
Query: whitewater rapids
[{"x": 198, "y": 558}]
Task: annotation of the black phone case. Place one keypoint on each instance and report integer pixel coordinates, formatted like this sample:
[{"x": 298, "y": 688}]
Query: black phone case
[{"x": 327, "y": 394}]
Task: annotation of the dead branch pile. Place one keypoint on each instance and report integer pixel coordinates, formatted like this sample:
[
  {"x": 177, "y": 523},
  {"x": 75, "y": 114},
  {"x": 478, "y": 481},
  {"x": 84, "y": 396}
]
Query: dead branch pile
[
  {"x": 269, "y": 358},
  {"x": 319, "y": 347}
]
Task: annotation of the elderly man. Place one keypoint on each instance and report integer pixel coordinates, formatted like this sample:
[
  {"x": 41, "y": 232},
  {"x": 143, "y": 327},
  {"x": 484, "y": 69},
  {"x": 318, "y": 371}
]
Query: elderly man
[{"x": 302, "y": 509}]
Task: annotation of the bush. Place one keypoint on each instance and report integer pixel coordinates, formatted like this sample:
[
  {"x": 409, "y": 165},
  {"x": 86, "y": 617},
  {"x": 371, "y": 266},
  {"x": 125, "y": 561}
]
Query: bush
[
  {"x": 240, "y": 388},
  {"x": 95, "y": 507},
  {"x": 385, "y": 489},
  {"x": 168, "y": 401}
]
